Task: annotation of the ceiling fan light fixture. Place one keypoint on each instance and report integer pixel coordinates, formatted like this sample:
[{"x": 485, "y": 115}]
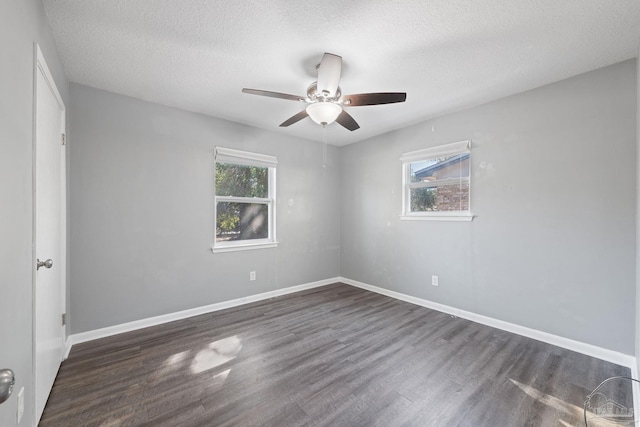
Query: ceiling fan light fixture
[
  {"x": 324, "y": 97},
  {"x": 324, "y": 113}
]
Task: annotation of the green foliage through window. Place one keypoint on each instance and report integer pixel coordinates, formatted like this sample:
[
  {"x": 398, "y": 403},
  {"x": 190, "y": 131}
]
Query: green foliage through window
[
  {"x": 423, "y": 199},
  {"x": 242, "y": 221},
  {"x": 239, "y": 219},
  {"x": 241, "y": 181}
]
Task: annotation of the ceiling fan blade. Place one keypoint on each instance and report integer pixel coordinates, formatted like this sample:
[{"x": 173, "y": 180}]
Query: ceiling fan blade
[
  {"x": 329, "y": 72},
  {"x": 294, "y": 119},
  {"x": 347, "y": 121},
  {"x": 373, "y": 98},
  {"x": 274, "y": 94}
]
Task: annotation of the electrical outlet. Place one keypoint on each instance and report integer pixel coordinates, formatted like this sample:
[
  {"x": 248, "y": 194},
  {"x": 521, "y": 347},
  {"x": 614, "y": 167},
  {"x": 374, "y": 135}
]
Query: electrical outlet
[
  {"x": 252, "y": 275},
  {"x": 20, "y": 405},
  {"x": 434, "y": 280}
]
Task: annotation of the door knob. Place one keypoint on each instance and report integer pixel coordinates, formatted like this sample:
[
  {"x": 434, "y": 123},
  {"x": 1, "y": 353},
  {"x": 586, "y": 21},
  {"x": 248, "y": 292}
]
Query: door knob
[
  {"x": 7, "y": 380},
  {"x": 47, "y": 264}
]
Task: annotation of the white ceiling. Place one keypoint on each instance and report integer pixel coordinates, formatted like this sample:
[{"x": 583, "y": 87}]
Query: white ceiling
[{"x": 197, "y": 55}]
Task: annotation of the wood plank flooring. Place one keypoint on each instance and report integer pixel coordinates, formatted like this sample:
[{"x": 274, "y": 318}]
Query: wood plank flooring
[{"x": 330, "y": 356}]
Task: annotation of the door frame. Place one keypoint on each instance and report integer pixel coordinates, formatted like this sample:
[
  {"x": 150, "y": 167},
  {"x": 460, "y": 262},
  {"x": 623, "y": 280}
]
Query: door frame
[{"x": 40, "y": 66}]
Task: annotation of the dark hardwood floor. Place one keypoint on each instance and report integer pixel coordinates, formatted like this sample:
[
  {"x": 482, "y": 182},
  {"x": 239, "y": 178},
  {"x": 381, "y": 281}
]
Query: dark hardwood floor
[{"x": 330, "y": 356}]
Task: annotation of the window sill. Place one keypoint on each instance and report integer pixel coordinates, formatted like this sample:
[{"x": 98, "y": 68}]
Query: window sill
[
  {"x": 438, "y": 217},
  {"x": 243, "y": 247}
]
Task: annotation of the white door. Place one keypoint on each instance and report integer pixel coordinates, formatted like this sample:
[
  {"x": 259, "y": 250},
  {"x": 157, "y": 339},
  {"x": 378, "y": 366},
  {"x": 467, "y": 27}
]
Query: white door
[{"x": 50, "y": 234}]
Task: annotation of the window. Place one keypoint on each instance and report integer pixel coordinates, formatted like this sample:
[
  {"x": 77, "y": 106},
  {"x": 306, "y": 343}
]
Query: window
[
  {"x": 436, "y": 183},
  {"x": 245, "y": 191}
]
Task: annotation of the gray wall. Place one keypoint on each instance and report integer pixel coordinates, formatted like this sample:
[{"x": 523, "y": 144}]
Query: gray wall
[
  {"x": 545, "y": 251},
  {"x": 142, "y": 211},
  {"x": 22, "y": 23},
  {"x": 554, "y": 190}
]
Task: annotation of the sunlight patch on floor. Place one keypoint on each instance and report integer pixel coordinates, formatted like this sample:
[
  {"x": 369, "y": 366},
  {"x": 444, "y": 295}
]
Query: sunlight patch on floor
[
  {"x": 218, "y": 381},
  {"x": 173, "y": 363},
  {"x": 570, "y": 409},
  {"x": 216, "y": 354},
  {"x": 112, "y": 423},
  {"x": 176, "y": 358}
]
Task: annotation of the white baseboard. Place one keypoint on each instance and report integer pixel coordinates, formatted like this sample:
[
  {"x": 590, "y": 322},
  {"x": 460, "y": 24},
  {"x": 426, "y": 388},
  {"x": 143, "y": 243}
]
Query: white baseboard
[
  {"x": 67, "y": 347},
  {"x": 165, "y": 318},
  {"x": 636, "y": 390},
  {"x": 577, "y": 346}
]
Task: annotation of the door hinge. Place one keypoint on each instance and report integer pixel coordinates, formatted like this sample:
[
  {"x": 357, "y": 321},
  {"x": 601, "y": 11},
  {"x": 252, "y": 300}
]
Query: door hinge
[
  {"x": 64, "y": 139},
  {"x": 64, "y": 319}
]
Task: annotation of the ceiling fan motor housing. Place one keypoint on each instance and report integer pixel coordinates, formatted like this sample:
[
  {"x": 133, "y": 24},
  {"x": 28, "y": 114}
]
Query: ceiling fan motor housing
[{"x": 313, "y": 95}]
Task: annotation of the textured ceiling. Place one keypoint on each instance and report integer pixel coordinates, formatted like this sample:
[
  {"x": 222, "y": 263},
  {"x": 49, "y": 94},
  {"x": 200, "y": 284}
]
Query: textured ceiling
[{"x": 197, "y": 55}]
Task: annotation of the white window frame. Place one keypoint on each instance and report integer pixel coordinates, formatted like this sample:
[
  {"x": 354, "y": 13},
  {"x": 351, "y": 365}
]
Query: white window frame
[
  {"x": 246, "y": 158},
  {"x": 460, "y": 147}
]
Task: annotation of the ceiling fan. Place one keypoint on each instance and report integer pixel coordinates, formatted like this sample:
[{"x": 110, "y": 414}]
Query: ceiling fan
[{"x": 324, "y": 97}]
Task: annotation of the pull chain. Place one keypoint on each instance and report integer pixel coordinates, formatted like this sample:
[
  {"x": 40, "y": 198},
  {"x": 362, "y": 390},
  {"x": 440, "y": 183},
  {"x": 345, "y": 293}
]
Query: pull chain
[{"x": 324, "y": 146}]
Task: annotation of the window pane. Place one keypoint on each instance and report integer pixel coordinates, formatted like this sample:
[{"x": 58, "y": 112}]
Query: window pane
[
  {"x": 451, "y": 167},
  {"x": 453, "y": 197},
  {"x": 423, "y": 199},
  {"x": 241, "y": 221},
  {"x": 242, "y": 181}
]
